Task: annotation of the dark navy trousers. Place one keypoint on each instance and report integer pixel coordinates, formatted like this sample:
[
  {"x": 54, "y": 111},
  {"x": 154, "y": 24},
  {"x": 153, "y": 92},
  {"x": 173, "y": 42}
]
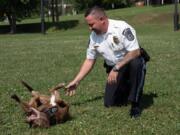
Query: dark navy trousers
[{"x": 129, "y": 86}]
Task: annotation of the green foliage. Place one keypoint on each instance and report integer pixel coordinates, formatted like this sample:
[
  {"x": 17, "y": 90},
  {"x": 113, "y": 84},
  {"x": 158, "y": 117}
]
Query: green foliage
[
  {"x": 25, "y": 1},
  {"x": 107, "y": 4},
  {"x": 117, "y": 3},
  {"x": 21, "y": 8},
  {"x": 45, "y": 60}
]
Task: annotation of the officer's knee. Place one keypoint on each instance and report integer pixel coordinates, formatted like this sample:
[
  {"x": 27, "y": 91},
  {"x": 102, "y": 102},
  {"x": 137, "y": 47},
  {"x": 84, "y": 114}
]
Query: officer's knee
[{"x": 108, "y": 104}]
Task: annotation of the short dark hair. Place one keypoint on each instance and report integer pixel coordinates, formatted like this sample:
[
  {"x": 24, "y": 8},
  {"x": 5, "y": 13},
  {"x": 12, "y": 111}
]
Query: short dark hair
[{"x": 96, "y": 11}]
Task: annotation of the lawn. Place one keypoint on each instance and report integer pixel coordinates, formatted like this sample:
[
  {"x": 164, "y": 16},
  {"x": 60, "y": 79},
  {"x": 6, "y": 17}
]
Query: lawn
[{"x": 45, "y": 60}]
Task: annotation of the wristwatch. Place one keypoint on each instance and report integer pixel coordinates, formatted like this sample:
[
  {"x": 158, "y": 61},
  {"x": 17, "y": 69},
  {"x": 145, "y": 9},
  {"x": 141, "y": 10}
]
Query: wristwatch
[{"x": 115, "y": 69}]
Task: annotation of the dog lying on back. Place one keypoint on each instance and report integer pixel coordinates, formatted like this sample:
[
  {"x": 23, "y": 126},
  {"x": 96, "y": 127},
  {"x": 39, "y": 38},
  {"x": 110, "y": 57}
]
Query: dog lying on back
[{"x": 42, "y": 110}]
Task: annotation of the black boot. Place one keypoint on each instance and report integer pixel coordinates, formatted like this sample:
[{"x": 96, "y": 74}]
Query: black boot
[{"x": 135, "y": 110}]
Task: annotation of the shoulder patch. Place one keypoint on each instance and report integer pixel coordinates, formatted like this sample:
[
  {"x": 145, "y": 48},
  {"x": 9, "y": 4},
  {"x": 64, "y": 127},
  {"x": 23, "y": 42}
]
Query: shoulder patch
[{"x": 128, "y": 34}]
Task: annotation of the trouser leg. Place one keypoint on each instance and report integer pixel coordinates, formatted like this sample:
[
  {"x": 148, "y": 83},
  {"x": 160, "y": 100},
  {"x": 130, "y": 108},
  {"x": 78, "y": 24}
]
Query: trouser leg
[
  {"x": 129, "y": 84},
  {"x": 115, "y": 93},
  {"x": 137, "y": 73}
]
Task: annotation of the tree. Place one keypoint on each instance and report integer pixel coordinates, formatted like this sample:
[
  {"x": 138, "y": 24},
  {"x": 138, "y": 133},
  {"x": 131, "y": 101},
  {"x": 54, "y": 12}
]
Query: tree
[
  {"x": 107, "y": 4},
  {"x": 116, "y": 3},
  {"x": 16, "y": 10}
]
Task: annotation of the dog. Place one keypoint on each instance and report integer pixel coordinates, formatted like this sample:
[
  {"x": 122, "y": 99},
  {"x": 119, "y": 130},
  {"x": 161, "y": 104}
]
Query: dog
[{"x": 42, "y": 110}]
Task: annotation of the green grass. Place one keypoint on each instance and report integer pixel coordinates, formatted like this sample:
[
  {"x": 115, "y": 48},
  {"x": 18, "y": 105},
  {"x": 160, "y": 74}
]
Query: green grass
[{"x": 45, "y": 60}]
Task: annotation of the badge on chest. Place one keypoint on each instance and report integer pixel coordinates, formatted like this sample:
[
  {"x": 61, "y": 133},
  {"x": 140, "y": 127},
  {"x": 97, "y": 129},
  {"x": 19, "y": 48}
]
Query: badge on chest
[
  {"x": 115, "y": 43},
  {"x": 116, "y": 40}
]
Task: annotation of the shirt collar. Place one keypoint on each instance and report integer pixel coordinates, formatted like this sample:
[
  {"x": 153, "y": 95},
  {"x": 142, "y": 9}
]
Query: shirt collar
[{"x": 110, "y": 27}]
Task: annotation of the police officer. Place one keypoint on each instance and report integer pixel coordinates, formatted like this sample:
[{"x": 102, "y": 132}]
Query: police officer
[{"x": 117, "y": 43}]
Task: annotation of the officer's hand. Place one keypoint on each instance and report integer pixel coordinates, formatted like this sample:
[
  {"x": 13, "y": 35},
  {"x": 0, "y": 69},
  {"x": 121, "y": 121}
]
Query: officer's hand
[
  {"x": 70, "y": 88},
  {"x": 112, "y": 77}
]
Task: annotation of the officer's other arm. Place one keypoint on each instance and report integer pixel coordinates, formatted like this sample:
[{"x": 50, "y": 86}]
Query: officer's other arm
[
  {"x": 112, "y": 78},
  {"x": 128, "y": 57},
  {"x": 84, "y": 70}
]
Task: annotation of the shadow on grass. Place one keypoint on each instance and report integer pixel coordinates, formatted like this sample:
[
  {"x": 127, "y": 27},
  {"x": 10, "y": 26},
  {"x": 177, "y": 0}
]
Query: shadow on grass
[
  {"x": 88, "y": 100},
  {"x": 148, "y": 100},
  {"x": 36, "y": 27}
]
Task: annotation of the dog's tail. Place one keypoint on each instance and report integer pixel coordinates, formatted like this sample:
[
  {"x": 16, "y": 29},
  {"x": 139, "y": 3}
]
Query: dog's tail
[
  {"x": 25, "y": 106},
  {"x": 27, "y": 86},
  {"x": 16, "y": 98}
]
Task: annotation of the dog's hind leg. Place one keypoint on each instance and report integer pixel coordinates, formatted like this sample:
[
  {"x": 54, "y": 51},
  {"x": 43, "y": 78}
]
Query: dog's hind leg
[
  {"x": 27, "y": 86},
  {"x": 30, "y": 89},
  {"x": 34, "y": 102}
]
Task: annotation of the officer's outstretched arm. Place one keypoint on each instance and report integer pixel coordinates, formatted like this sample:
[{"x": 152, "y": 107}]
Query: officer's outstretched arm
[{"x": 84, "y": 70}]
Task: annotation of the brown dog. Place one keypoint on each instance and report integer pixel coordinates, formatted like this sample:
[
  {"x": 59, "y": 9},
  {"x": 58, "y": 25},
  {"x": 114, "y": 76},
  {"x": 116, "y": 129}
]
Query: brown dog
[{"x": 43, "y": 110}]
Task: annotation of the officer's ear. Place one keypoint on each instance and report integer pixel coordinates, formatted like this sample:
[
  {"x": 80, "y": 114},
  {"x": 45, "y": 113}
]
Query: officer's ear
[{"x": 102, "y": 18}]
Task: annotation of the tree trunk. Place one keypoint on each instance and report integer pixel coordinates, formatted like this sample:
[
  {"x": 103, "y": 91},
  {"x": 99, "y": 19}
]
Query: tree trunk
[
  {"x": 52, "y": 10},
  {"x": 12, "y": 18},
  {"x": 62, "y": 5},
  {"x": 12, "y": 22},
  {"x": 57, "y": 11}
]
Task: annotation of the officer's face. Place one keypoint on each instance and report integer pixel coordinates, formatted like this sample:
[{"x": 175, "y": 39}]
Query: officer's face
[{"x": 95, "y": 24}]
